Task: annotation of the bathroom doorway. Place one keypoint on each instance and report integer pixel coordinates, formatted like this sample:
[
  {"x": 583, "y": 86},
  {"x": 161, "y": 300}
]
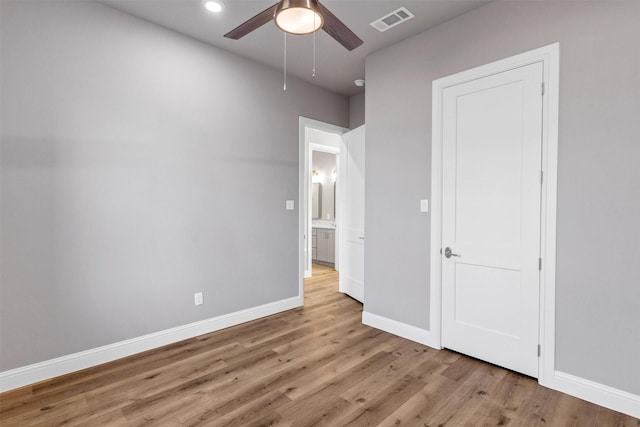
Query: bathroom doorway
[
  {"x": 316, "y": 136},
  {"x": 323, "y": 206}
]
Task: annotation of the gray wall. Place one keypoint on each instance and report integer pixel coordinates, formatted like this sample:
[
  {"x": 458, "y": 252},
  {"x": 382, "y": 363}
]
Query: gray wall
[
  {"x": 356, "y": 110},
  {"x": 138, "y": 167},
  {"x": 598, "y": 240}
]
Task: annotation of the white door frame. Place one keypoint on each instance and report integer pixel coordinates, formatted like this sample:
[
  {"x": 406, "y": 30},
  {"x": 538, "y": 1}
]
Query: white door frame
[
  {"x": 304, "y": 186},
  {"x": 550, "y": 58}
]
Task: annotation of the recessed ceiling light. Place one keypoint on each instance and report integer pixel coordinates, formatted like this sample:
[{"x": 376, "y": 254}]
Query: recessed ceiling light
[
  {"x": 359, "y": 82},
  {"x": 214, "y": 6}
]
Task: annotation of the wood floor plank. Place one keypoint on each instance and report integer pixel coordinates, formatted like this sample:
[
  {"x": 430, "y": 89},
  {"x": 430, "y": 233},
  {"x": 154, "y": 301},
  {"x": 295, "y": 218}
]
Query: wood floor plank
[
  {"x": 148, "y": 380},
  {"x": 264, "y": 384},
  {"x": 417, "y": 410},
  {"x": 409, "y": 355},
  {"x": 314, "y": 365},
  {"x": 258, "y": 412},
  {"x": 53, "y": 411},
  {"x": 361, "y": 348},
  {"x": 503, "y": 400},
  {"x": 464, "y": 400},
  {"x": 325, "y": 403},
  {"x": 385, "y": 401},
  {"x": 238, "y": 369},
  {"x": 538, "y": 409}
]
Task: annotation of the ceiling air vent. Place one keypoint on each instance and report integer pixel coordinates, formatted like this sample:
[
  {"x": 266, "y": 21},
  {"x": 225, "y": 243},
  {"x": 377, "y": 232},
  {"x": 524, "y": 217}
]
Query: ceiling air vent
[{"x": 391, "y": 20}]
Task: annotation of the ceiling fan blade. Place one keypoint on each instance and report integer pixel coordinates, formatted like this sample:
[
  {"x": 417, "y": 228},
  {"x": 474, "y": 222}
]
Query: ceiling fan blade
[
  {"x": 252, "y": 24},
  {"x": 336, "y": 29}
]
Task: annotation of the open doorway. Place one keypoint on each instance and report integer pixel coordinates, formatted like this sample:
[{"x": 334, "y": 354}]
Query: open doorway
[
  {"x": 348, "y": 208},
  {"x": 321, "y": 138}
]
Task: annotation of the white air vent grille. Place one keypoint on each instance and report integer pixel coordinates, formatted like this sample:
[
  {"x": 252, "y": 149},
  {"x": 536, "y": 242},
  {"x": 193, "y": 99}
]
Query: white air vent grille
[{"x": 396, "y": 17}]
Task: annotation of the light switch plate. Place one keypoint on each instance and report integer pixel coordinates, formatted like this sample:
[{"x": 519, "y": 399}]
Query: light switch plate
[
  {"x": 290, "y": 205},
  {"x": 424, "y": 206}
]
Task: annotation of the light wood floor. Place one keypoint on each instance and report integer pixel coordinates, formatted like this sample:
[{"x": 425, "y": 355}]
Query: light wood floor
[{"x": 316, "y": 365}]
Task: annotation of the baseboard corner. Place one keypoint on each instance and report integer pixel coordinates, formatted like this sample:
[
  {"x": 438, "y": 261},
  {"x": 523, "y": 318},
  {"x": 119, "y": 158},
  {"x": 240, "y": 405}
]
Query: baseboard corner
[{"x": 400, "y": 329}]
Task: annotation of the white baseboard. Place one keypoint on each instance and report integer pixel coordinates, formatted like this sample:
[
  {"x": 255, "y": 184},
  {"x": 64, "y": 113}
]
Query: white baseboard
[
  {"x": 597, "y": 393},
  {"x": 30, "y": 374},
  {"x": 400, "y": 329}
]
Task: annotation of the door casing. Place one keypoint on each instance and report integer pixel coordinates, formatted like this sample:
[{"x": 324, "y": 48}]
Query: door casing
[{"x": 550, "y": 57}]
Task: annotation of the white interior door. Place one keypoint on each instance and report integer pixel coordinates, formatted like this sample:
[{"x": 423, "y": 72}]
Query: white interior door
[
  {"x": 492, "y": 143},
  {"x": 351, "y": 216}
]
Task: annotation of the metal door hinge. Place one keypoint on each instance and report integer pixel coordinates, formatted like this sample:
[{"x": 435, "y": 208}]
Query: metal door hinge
[
  {"x": 540, "y": 264},
  {"x": 542, "y": 88},
  {"x": 539, "y": 350}
]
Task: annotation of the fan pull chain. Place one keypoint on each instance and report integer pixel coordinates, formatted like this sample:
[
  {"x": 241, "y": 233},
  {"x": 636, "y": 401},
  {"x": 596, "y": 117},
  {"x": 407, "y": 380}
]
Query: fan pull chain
[
  {"x": 285, "y": 61},
  {"x": 314, "y": 46}
]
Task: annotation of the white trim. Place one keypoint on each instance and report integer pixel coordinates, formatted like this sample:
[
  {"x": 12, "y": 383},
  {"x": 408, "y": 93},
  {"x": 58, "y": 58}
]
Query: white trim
[
  {"x": 597, "y": 393},
  {"x": 400, "y": 329},
  {"x": 435, "y": 274},
  {"x": 548, "y": 208},
  {"x": 550, "y": 57},
  {"x": 30, "y": 374}
]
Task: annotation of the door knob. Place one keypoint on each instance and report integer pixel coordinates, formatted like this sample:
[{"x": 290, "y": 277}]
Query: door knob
[{"x": 448, "y": 253}]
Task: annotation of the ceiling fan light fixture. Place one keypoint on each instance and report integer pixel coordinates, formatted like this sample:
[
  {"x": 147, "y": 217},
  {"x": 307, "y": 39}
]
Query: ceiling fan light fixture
[
  {"x": 298, "y": 16},
  {"x": 214, "y": 6}
]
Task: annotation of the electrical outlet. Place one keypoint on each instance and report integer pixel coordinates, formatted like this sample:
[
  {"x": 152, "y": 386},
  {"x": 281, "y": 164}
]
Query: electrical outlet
[{"x": 197, "y": 298}]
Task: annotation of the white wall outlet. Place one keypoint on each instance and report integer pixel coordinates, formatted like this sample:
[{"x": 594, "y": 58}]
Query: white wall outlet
[
  {"x": 290, "y": 205},
  {"x": 197, "y": 298},
  {"x": 424, "y": 206}
]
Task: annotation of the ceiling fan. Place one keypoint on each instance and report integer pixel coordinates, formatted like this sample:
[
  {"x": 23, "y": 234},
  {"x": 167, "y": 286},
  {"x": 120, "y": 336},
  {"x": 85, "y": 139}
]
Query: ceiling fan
[{"x": 300, "y": 17}]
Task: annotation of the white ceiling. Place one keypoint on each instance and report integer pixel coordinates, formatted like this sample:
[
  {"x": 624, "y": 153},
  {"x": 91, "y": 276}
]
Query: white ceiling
[{"x": 336, "y": 68}]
